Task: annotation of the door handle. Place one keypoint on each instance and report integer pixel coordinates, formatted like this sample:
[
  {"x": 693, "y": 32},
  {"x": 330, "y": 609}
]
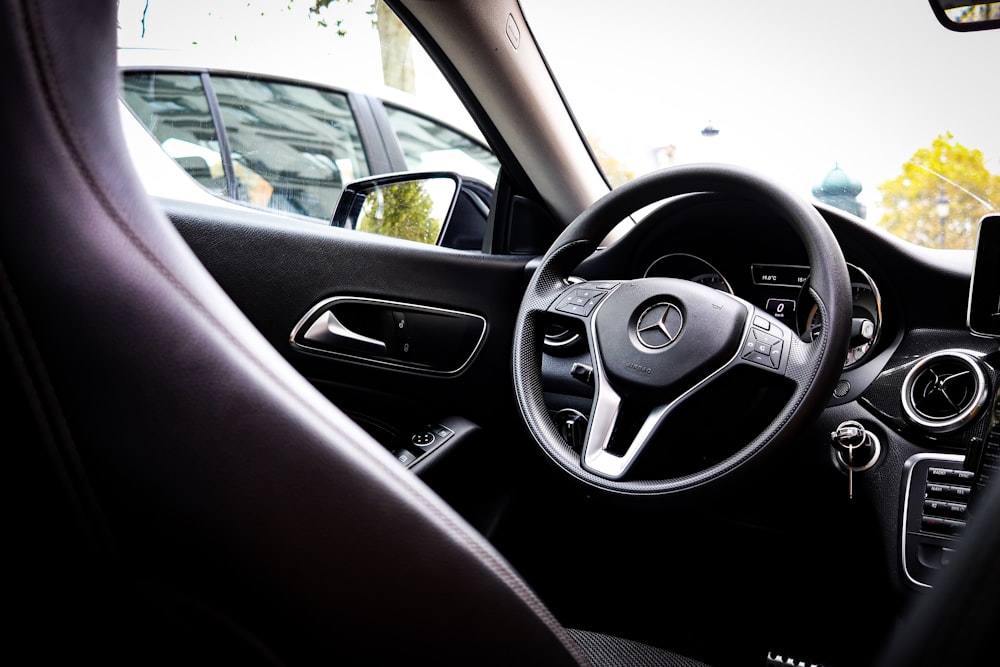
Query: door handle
[
  {"x": 409, "y": 336},
  {"x": 327, "y": 330}
]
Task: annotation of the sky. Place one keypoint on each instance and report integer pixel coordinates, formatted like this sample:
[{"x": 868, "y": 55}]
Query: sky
[
  {"x": 653, "y": 73},
  {"x": 862, "y": 89}
]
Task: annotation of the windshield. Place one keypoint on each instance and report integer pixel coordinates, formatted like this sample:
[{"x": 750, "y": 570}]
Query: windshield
[{"x": 872, "y": 107}]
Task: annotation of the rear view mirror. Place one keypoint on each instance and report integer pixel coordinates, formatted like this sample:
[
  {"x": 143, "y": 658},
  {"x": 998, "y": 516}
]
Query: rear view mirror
[
  {"x": 962, "y": 16},
  {"x": 412, "y": 206}
]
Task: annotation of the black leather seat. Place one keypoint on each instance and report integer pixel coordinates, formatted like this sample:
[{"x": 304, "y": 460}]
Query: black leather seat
[{"x": 177, "y": 492}]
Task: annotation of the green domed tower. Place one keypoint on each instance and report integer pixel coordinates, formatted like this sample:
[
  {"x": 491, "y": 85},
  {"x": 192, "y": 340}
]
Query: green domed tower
[{"x": 840, "y": 190}]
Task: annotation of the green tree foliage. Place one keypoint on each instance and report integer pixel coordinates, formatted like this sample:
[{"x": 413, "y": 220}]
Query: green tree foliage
[
  {"x": 402, "y": 210},
  {"x": 948, "y": 172}
]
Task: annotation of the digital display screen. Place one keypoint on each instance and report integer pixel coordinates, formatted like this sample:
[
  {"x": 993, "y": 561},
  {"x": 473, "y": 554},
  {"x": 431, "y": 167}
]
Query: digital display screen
[
  {"x": 784, "y": 275},
  {"x": 984, "y": 292}
]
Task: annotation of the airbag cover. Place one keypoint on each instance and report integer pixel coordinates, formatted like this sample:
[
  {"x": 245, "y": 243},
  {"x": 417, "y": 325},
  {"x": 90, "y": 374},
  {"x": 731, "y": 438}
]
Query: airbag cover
[{"x": 661, "y": 336}]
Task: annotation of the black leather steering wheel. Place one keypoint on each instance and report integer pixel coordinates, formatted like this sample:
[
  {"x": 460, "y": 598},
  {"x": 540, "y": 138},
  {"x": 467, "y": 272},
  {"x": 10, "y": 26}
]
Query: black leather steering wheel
[{"x": 657, "y": 342}]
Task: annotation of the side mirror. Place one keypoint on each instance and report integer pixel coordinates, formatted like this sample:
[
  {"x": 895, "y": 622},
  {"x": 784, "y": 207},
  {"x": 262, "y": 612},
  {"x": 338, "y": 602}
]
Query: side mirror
[
  {"x": 963, "y": 16},
  {"x": 414, "y": 206}
]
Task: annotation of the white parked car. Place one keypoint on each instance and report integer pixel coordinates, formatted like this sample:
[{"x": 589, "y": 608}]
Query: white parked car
[{"x": 261, "y": 139}]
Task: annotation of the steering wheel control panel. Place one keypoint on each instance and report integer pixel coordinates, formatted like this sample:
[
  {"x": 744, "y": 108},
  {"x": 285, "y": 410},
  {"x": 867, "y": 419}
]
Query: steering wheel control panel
[
  {"x": 762, "y": 346},
  {"x": 584, "y": 299}
]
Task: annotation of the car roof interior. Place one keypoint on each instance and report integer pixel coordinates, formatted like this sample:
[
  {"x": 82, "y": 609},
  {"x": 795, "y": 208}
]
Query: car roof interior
[{"x": 177, "y": 491}]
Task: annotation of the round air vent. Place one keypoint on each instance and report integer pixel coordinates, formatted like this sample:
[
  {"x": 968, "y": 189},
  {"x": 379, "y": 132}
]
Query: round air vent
[
  {"x": 944, "y": 391},
  {"x": 560, "y": 336}
]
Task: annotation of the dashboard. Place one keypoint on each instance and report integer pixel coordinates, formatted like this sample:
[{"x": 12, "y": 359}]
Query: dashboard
[{"x": 908, "y": 302}]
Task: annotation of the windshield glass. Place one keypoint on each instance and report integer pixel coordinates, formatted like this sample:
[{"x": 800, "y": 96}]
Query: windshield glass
[{"x": 872, "y": 107}]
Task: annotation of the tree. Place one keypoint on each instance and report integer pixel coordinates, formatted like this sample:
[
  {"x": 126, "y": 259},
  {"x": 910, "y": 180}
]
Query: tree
[
  {"x": 394, "y": 42},
  {"x": 945, "y": 173},
  {"x": 616, "y": 170},
  {"x": 402, "y": 210}
]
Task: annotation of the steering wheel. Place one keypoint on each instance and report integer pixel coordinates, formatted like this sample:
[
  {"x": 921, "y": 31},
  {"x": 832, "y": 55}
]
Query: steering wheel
[{"x": 656, "y": 343}]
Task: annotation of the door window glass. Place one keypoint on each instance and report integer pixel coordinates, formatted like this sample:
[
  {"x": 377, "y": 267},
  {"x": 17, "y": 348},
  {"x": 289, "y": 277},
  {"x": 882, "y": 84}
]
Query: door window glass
[
  {"x": 174, "y": 108},
  {"x": 294, "y": 147}
]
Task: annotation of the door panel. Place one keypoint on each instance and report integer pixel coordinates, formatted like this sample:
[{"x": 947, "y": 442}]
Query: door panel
[{"x": 277, "y": 270}]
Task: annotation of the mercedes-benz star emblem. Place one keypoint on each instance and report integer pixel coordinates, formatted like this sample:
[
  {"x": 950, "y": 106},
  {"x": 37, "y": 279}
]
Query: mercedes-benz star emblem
[{"x": 659, "y": 325}]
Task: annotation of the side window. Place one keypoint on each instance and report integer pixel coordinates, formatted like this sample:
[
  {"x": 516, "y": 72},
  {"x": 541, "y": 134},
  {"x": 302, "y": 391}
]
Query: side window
[
  {"x": 175, "y": 109},
  {"x": 429, "y": 145},
  {"x": 293, "y": 147},
  {"x": 279, "y": 136}
]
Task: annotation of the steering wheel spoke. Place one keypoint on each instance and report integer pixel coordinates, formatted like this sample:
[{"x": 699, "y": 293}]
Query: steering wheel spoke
[{"x": 603, "y": 454}]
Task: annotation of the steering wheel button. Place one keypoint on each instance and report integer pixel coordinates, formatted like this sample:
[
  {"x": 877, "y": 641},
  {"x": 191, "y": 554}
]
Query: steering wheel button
[
  {"x": 572, "y": 309},
  {"x": 765, "y": 338},
  {"x": 761, "y": 323},
  {"x": 762, "y": 348}
]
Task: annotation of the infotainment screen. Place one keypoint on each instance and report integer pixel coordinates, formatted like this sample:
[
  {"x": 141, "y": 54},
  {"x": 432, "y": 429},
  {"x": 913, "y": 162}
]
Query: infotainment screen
[{"x": 984, "y": 292}]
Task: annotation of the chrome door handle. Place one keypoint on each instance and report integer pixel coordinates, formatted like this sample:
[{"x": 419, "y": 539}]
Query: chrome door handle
[{"x": 327, "y": 330}]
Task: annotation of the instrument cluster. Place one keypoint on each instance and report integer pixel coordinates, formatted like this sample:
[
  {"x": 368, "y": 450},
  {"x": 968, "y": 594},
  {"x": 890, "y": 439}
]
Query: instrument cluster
[{"x": 782, "y": 290}]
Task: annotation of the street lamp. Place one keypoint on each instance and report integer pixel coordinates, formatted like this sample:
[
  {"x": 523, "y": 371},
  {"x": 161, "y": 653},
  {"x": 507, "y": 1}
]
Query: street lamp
[{"x": 943, "y": 207}]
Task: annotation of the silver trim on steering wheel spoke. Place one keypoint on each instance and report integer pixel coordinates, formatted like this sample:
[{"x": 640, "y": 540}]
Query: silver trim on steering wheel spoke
[{"x": 595, "y": 456}]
